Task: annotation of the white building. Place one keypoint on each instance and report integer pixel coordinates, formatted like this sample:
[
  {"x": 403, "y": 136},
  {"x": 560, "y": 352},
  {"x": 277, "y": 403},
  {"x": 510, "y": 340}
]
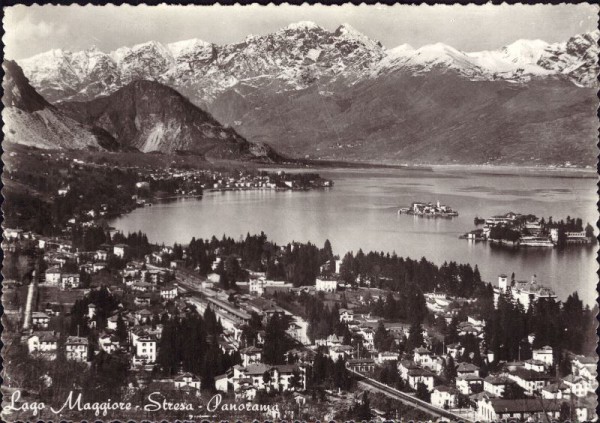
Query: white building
[
  {"x": 101, "y": 255},
  {"x": 168, "y": 292},
  {"x": 269, "y": 377},
  {"x": 40, "y": 320},
  {"x": 545, "y": 355},
  {"x": 444, "y": 397},
  {"x": 423, "y": 357},
  {"x": 469, "y": 384},
  {"x": 346, "y": 315},
  {"x": 187, "y": 379},
  {"x": 119, "y": 250},
  {"x": 69, "y": 280},
  {"x": 76, "y": 348},
  {"x": 522, "y": 291},
  {"x": 556, "y": 391},
  {"x": 251, "y": 355},
  {"x": 577, "y": 385},
  {"x": 535, "y": 365},
  {"x": 43, "y": 342},
  {"x": 529, "y": 380},
  {"x": 417, "y": 376},
  {"x": 326, "y": 285},
  {"x": 53, "y": 275},
  {"x": 496, "y": 385},
  {"x": 536, "y": 409},
  {"x": 145, "y": 349},
  {"x": 108, "y": 343}
]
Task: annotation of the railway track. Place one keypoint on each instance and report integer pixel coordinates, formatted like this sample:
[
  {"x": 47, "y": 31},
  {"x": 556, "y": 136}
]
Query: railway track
[{"x": 407, "y": 399}]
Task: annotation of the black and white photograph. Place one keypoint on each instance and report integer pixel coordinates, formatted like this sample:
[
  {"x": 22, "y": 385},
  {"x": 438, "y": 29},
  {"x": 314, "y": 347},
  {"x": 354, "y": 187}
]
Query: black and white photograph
[{"x": 306, "y": 213}]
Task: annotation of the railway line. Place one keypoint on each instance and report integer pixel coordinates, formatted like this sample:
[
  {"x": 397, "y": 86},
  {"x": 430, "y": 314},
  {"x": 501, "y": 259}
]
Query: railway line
[{"x": 407, "y": 399}]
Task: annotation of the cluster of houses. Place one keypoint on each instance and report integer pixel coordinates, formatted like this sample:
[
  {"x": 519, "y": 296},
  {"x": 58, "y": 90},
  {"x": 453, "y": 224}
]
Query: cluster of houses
[
  {"x": 193, "y": 182},
  {"x": 149, "y": 286}
]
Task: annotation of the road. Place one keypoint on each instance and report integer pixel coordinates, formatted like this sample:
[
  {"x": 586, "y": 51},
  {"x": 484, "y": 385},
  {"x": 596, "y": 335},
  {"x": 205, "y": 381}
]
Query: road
[
  {"x": 191, "y": 283},
  {"x": 407, "y": 399},
  {"x": 31, "y": 290}
]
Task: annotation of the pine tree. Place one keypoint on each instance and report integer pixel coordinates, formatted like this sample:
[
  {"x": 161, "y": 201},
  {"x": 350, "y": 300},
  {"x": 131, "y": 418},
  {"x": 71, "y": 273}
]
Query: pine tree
[
  {"x": 415, "y": 337},
  {"x": 275, "y": 345},
  {"x": 363, "y": 411},
  {"x": 121, "y": 331},
  {"x": 450, "y": 370},
  {"x": 423, "y": 393}
]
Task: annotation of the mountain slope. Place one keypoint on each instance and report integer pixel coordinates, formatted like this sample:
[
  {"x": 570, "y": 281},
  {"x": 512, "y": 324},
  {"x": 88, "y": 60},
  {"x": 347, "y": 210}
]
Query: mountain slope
[
  {"x": 340, "y": 95},
  {"x": 433, "y": 118},
  {"x": 30, "y": 120},
  {"x": 148, "y": 116}
]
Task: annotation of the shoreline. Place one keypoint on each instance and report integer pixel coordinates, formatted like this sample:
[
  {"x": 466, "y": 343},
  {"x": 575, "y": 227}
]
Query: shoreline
[{"x": 487, "y": 169}]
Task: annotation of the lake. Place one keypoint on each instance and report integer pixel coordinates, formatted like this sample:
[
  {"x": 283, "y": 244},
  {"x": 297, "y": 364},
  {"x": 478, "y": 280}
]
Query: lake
[{"x": 360, "y": 211}]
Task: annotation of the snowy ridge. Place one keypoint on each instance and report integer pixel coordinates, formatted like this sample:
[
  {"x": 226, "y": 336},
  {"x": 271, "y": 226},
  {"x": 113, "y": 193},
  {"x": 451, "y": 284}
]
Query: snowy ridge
[{"x": 294, "y": 58}]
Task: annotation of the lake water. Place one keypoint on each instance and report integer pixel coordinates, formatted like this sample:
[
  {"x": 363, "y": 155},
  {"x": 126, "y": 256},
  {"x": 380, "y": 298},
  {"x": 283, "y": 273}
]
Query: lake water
[{"x": 360, "y": 211}]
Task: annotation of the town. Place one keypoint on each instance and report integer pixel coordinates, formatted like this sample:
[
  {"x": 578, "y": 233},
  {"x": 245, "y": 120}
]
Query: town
[
  {"x": 515, "y": 229},
  {"x": 366, "y": 335},
  {"x": 76, "y": 189}
]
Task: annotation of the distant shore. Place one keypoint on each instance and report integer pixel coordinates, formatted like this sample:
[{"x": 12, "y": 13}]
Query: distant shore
[{"x": 525, "y": 171}]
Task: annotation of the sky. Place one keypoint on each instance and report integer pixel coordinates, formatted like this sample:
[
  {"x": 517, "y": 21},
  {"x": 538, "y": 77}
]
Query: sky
[{"x": 34, "y": 29}]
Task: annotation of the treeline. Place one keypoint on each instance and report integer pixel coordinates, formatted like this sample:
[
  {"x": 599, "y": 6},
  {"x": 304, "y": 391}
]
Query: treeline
[
  {"x": 568, "y": 225},
  {"x": 137, "y": 243},
  {"x": 563, "y": 326},
  {"x": 410, "y": 306},
  {"x": 504, "y": 233},
  {"x": 190, "y": 343},
  {"x": 296, "y": 262},
  {"x": 80, "y": 320},
  {"x": 89, "y": 239},
  {"x": 323, "y": 321},
  {"x": 398, "y": 274},
  {"x": 327, "y": 374}
]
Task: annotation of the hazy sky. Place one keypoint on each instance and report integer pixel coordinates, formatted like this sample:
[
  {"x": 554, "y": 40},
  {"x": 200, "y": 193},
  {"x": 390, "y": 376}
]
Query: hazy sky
[{"x": 34, "y": 29}]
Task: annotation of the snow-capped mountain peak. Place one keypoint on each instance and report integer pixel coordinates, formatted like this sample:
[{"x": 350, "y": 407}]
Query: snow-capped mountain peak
[
  {"x": 302, "y": 26},
  {"x": 181, "y": 48},
  {"x": 349, "y": 33},
  {"x": 525, "y": 51},
  {"x": 295, "y": 57}
]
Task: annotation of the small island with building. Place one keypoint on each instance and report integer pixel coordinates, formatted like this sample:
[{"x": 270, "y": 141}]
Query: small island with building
[
  {"x": 528, "y": 230},
  {"x": 429, "y": 210}
]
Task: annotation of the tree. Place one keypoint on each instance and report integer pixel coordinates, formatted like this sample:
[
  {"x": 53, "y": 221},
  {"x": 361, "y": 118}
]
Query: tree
[
  {"x": 415, "y": 337},
  {"x": 513, "y": 391},
  {"x": 296, "y": 380},
  {"x": 121, "y": 331},
  {"x": 423, "y": 393},
  {"x": 382, "y": 339},
  {"x": 362, "y": 411},
  {"x": 266, "y": 377},
  {"x": 589, "y": 231},
  {"x": 275, "y": 345},
  {"x": 449, "y": 370}
]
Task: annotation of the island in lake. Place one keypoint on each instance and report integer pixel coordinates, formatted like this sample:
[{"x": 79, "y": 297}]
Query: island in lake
[
  {"x": 429, "y": 210},
  {"x": 528, "y": 230}
]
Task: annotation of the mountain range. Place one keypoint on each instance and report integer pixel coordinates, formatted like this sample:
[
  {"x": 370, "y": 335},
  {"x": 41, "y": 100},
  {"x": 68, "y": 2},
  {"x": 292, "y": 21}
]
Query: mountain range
[
  {"x": 143, "y": 116},
  {"x": 311, "y": 92}
]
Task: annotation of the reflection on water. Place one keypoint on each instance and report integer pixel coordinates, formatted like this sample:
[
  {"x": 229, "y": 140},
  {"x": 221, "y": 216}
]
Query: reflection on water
[{"x": 361, "y": 212}]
